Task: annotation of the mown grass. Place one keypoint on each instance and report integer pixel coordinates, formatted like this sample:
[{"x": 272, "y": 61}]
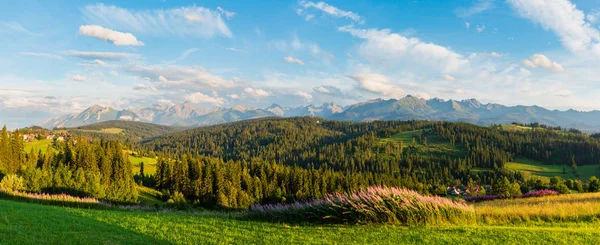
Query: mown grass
[
  {"x": 37, "y": 145},
  {"x": 429, "y": 144},
  {"x": 536, "y": 168},
  {"x": 23, "y": 223}
]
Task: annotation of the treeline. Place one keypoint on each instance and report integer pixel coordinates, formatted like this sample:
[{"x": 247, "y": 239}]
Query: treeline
[
  {"x": 345, "y": 146},
  {"x": 212, "y": 182},
  {"x": 98, "y": 169}
]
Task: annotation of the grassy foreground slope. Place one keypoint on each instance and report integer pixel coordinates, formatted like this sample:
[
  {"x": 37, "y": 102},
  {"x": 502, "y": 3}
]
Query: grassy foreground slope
[{"x": 23, "y": 223}]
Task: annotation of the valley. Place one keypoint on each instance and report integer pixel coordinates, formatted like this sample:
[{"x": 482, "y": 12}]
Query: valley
[{"x": 196, "y": 174}]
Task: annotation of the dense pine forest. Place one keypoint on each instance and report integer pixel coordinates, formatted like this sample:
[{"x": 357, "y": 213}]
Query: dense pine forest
[
  {"x": 98, "y": 169},
  {"x": 278, "y": 160}
]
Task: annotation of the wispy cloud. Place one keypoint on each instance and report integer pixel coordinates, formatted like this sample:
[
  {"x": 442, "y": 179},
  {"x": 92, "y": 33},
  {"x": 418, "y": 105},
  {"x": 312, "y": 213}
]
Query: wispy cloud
[
  {"x": 184, "y": 21},
  {"x": 478, "y": 7},
  {"x": 184, "y": 55},
  {"x": 227, "y": 14},
  {"x": 91, "y": 55},
  {"x": 15, "y": 26},
  {"x": 290, "y": 59},
  {"x": 327, "y": 9},
  {"x": 44, "y": 55},
  {"x": 79, "y": 78}
]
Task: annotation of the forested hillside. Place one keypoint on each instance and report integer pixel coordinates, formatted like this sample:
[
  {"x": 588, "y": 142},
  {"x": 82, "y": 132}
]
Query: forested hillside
[
  {"x": 122, "y": 130},
  {"x": 97, "y": 169},
  {"x": 277, "y": 159}
]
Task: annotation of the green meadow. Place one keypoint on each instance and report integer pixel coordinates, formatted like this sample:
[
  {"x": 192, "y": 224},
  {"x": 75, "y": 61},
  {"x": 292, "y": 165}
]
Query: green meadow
[
  {"x": 536, "y": 168},
  {"x": 24, "y": 223}
]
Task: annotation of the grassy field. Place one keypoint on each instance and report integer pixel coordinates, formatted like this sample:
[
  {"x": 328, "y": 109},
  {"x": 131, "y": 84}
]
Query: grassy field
[
  {"x": 583, "y": 207},
  {"x": 37, "y": 145},
  {"x": 105, "y": 130},
  {"x": 149, "y": 164},
  {"x": 535, "y": 168},
  {"x": 23, "y": 223},
  {"x": 436, "y": 145}
]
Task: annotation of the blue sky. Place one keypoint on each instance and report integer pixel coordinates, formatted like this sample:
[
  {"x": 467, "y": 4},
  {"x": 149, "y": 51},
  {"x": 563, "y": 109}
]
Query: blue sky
[{"x": 60, "y": 57}]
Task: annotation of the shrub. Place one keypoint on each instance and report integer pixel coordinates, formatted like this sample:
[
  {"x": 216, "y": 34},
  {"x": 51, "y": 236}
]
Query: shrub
[
  {"x": 481, "y": 198},
  {"x": 594, "y": 185},
  {"x": 540, "y": 193},
  {"x": 12, "y": 182},
  {"x": 371, "y": 205}
]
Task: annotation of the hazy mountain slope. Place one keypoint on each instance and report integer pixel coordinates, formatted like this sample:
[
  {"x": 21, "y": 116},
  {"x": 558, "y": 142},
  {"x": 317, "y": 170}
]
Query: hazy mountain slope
[{"x": 406, "y": 108}]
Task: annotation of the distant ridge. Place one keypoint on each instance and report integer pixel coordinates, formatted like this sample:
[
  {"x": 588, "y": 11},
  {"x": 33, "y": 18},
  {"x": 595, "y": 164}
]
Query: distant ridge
[{"x": 407, "y": 108}]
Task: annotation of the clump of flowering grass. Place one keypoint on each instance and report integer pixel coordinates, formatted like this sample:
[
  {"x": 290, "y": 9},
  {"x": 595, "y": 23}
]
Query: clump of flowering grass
[
  {"x": 540, "y": 193},
  {"x": 53, "y": 197},
  {"x": 371, "y": 205}
]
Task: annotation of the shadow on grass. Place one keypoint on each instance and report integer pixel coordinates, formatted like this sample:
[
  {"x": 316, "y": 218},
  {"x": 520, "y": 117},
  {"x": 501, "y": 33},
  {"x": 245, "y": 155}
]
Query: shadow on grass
[{"x": 24, "y": 223}]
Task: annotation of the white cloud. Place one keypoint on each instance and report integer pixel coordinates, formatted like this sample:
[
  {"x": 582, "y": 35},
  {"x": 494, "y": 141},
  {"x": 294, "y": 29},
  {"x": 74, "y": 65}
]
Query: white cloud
[
  {"x": 90, "y": 55},
  {"x": 485, "y": 55},
  {"x": 467, "y": 25},
  {"x": 479, "y": 28},
  {"x": 184, "y": 77},
  {"x": 227, "y": 14},
  {"x": 117, "y": 38},
  {"x": 79, "y": 78},
  {"x": 44, "y": 55},
  {"x": 448, "y": 78},
  {"x": 257, "y": 93},
  {"x": 290, "y": 59},
  {"x": 382, "y": 44},
  {"x": 376, "y": 83},
  {"x": 330, "y": 10},
  {"x": 304, "y": 95},
  {"x": 166, "y": 102},
  {"x": 494, "y": 54},
  {"x": 139, "y": 86},
  {"x": 198, "y": 98},
  {"x": 114, "y": 73},
  {"x": 480, "y": 6},
  {"x": 563, "y": 18},
  {"x": 541, "y": 61},
  {"x": 321, "y": 89},
  {"x": 100, "y": 62},
  {"x": 183, "y": 21},
  {"x": 233, "y": 96}
]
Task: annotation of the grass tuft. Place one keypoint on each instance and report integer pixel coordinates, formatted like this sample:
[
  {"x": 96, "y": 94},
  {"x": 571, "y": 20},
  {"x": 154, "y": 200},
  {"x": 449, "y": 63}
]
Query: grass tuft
[{"x": 385, "y": 205}]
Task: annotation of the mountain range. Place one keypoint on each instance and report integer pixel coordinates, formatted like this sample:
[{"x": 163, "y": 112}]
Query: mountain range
[{"x": 406, "y": 108}]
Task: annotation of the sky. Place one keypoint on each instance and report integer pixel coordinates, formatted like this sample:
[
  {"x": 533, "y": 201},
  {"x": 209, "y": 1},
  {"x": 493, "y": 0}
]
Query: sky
[{"x": 59, "y": 57}]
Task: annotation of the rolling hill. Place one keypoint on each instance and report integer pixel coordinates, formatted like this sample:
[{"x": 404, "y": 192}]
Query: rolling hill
[{"x": 118, "y": 129}]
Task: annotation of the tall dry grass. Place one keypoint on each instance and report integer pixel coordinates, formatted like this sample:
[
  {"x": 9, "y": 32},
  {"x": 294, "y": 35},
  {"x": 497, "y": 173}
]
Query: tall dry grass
[
  {"x": 372, "y": 205},
  {"x": 562, "y": 208}
]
